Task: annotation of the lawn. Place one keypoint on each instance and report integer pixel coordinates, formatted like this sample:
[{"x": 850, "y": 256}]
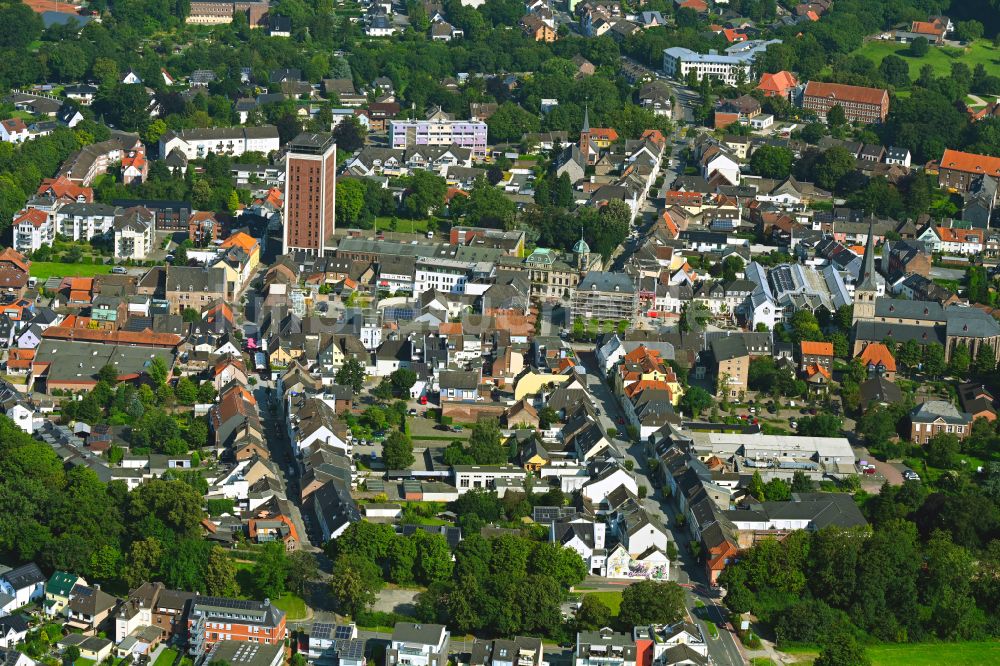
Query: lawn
[
  {"x": 43, "y": 270},
  {"x": 166, "y": 658},
  {"x": 940, "y": 58},
  {"x": 919, "y": 654},
  {"x": 293, "y": 605},
  {"x": 611, "y": 598}
]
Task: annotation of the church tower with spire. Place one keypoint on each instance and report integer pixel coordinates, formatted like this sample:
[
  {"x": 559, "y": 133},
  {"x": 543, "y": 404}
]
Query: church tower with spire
[{"x": 867, "y": 290}]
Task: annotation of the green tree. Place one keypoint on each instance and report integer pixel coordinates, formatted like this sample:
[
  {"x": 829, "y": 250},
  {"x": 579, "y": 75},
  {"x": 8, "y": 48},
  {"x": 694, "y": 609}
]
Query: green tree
[
  {"x": 942, "y": 450},
  {"x": 433, "y": 562},
  {"x": 302, "y": 568},
  {"x": 484, "y": 443},
  {"x": 831, "y": 167},
  {"x": 563, "y": 195},
  {"x": 933, "y": 359},
  {"x": 186, "y": 391},
  {"x": 651, "y": 602},
  {"x": 354, "y": 584},
  {"x": 919, "y": 47},
  {"x": 425, "y": 194},
  {"x": 108, "y": 374},
  {"x": 403, "y": 380},
  {"x": 352, "y": 374},
  {"x": 771, "y": 162},
  {"x": 696, "y": 400},
  {"x": 220, "y": 574},
  {"x": 270, "y": 571},
  {"x": 592, "y": 613},
  {"x": 842, "y": 648},
  {"x": 985, "y": 359},
  {"x": 157, "y": 371},
  {"x": 402, "y": 558},
  {"x": 143, "y": 561},
  {"x": 895, "y": 71},
  {"x": 350, "y": 200},
  {"x": 509, "y": 122},
  {"x": 960, "y": 358},
  {"x": 562, "y": 564},
  {"x": 397, "y": 451},
  {"x": 368, "y": 540},
  {"x": 756, "y": 488},
  {"x": 836, "y": 116}
]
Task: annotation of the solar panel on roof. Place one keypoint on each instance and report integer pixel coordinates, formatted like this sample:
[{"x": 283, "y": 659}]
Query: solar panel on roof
[{"x": 342, "y": 632}]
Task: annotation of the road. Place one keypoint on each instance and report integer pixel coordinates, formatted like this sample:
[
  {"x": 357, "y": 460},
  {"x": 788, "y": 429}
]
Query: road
[
  {"x": 269, "y": 407},
  {"x": 723, "y": 650}
]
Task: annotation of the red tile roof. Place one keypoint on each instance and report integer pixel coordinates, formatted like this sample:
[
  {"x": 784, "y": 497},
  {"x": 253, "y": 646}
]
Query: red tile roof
[
  {"x": 244, "y": 241},
  {"x": 952, "y": 235},
  {"x": 13, "y": 125},
  {"x": 62, "y": 186},
  {"x": 778, "y": 83},
  {"x": 14, "y": 257},
  {"x": 877, "y": 353},
  {"x": 956, "y": 160},
  {"x": 33, "y": 215},
  {"x": 816, "y": 369},
  {"x": 844, "y": 93},
  {"x": 603, "y": 134},
  {"x": 145, "y": 338},
  {"x": 816, "y": 348},
  {"x": 20, "y": 359},
  {"x": 926, "y": 28}
]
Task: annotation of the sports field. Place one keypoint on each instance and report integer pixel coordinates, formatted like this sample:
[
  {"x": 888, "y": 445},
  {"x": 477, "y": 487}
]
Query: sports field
[{"x": 940, "y": 58}]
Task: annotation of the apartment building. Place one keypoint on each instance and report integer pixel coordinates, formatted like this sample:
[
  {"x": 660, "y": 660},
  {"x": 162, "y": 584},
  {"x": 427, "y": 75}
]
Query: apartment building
[
  {"x": 440, "y": 131},
  {"x": 937, "y": 416},
  {"x": 962, "y": 171},
  {"x": 860, "y": 104},
  {"x": 605, "y": 296},
  {"x": 310, "y": 193},
  {"x": 732, "y": 67},
  {"x": 521, "y": 651},
  {"x": 133, "y": 229},
  {"x": 604, "y": 647},
  {"x": 214, "y": 619},
  {"x": 232, "y": 141},
  {"x": 418, "y": 645},
  {"x": 334, "y": 645},
  {"x": 731, "y": 363}
]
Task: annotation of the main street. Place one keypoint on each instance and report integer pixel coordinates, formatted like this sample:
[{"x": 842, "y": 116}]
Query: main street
[{"x": 703, "y": 607}]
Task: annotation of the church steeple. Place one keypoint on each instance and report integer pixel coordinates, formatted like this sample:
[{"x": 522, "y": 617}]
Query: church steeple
[
  {"x": 868, "y": 262},
  {"x": 866, "y": 291},
  {"x": 586, "y": 119}
]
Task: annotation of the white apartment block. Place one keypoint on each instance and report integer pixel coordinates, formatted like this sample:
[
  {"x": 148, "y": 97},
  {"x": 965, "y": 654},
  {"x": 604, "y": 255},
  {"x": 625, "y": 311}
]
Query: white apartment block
[
  {"x": 83, "y": 221},
  {"x": 730, "y": 67},
  {"x": 232, "y": 141}
]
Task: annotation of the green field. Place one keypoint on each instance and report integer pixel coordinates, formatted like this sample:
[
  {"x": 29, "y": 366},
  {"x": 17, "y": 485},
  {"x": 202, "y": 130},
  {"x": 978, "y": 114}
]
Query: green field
[
  {"x": 940, "y": 58},
  {"x": 43, "y": 270},
  {"x": 293, "y": 605},
  {"x": 166, "y": 658},
  {"x": 611, "y": 598},
  {"x": 954, "y": 654},
  {"x": 920, "y": 654}
]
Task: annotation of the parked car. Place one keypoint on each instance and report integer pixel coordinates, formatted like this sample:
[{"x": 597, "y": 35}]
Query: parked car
[{"x": 119, "y": 270}]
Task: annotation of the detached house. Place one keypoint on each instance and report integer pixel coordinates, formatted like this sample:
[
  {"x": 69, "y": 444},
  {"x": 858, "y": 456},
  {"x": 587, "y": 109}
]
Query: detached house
[{"x": 25, "y": 584}]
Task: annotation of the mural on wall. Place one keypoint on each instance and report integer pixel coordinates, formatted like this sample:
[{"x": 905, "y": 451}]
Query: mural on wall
[{"x": 621, "y": 565}]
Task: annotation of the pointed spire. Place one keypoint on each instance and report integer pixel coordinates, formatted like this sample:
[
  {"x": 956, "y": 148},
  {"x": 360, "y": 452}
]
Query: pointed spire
[
  {"x": 586, "y": 118},
  {"x": 868, "y": 262}
]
